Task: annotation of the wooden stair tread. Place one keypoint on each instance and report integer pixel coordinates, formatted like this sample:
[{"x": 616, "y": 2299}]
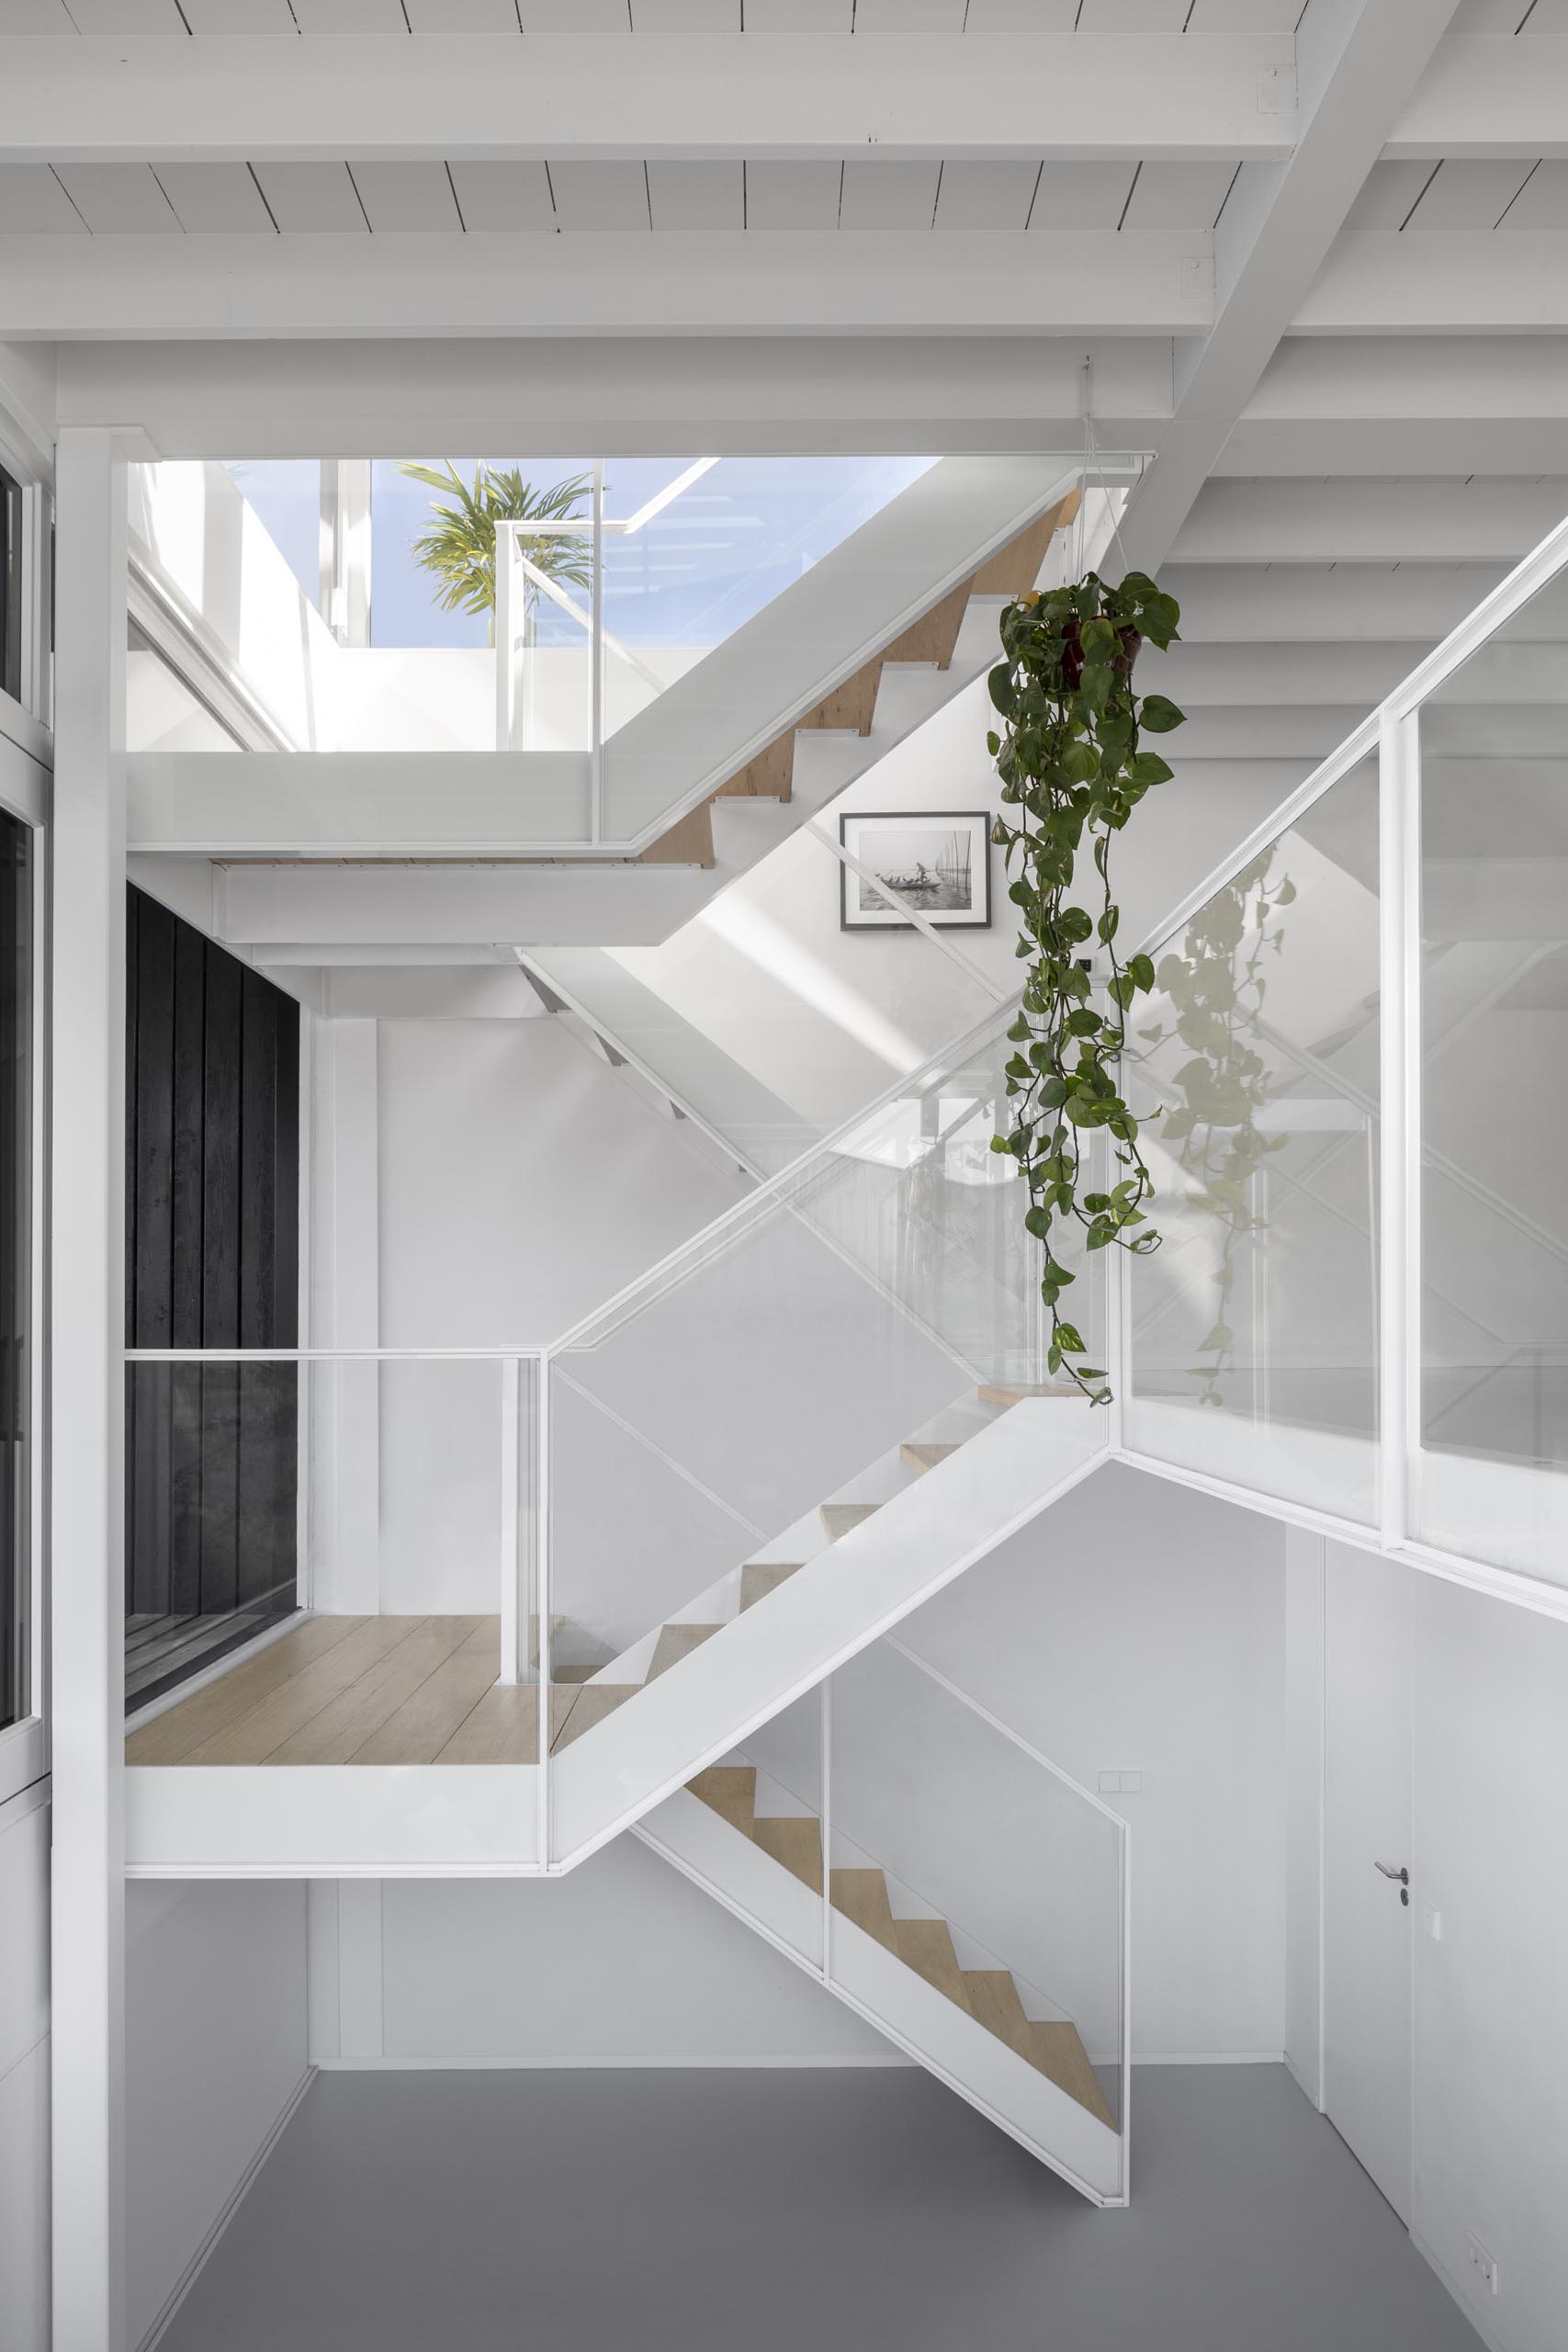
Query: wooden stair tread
[
  {"x": 1013, "y": 569},
  {"x": 674, "y": 1643},
  {"x": 689, "y": 840},
  {"x": 848, "y": 706},
  {"x": 567, "y": 1674},
  {"x": 795, "y": 1840},
  {"x": 731, "y": 1791},
  {"x": 592, "y": 1702},
  {"x": 1057, "y": 2052},
  {"x": 769, "y": 776},
  {"x": 758, "y": 1579},
  {"x": 861, "y": 1895},
  {"x": 925, "y": 1457},
  {"x": 839, "y": 1518},
  {"x": 933, "y": 637},
  {"x": 926, "y": 1946},
  {"x": 993, "y": 2003}
]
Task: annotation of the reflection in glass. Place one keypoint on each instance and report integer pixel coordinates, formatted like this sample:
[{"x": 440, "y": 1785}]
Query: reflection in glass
[
  {"x": 1260, "y": 1053},
  {"x": 1494, "y": 1382}
]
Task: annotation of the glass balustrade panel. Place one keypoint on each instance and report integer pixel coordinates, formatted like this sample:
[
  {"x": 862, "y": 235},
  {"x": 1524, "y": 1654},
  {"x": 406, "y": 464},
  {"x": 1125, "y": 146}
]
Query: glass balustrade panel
[
  {"x": 815, "y": 1013},
  {"x": 695, "y": 547},
  {"x": 766, "y": 1859},
  {"x": 1494, "y": 990},
  {"x": 1255, "y": 1068},
  {"x": 393, "y": 1489},
  {"x": 993, "y": 1886},
  {"x": 724, "y": 1427}
]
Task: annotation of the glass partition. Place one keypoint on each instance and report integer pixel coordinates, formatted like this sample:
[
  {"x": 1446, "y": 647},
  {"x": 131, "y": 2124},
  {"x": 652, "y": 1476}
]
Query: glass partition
[
  {"x": 796, "y": 1369},
  {"x": 816, "y": 1020},
  {"x": 997, "y": 1882},
  {"x": 1493, "y": 1016},
  {"x": 1253, "y": 1325},
  {"x": 695, "y": 547},
  {"x": 387, "y": 1489},
  {"x": 531, "y": 604}
]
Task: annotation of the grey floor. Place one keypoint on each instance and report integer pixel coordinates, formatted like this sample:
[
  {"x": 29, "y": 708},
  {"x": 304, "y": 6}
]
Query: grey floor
[{"x": 720, "y": 2212}]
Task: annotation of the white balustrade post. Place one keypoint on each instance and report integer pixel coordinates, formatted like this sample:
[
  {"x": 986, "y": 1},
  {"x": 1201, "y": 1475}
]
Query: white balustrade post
[
  {"x": 505, "y": 644},
  {"x": 513, "y": 1553},
  {"x": 596, "y": 736},
  {"x": 539, "y": 1554},
  {"x": 825, "y": 1699},
  {"x": 1399, "y": 868},
  {"x": 87, "y": 1470}
]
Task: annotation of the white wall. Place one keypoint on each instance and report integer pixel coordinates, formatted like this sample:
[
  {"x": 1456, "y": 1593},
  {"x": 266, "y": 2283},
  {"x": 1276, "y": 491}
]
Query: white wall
[
  {"x": 622, "y": 1962},
  {"x": 827, "y": 1019},
  {"x": 522, "y": 1182},
  {"x": 1139, "y": 1627},
  {"x": 24, "y": 2074},
  {"x": 1490, "y": 2052},
  {"x": 215, "y": 2053},
  {"x": 487, "y": 1180}
]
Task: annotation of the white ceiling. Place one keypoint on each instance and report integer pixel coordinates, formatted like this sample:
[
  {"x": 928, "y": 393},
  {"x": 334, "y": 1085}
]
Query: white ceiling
[
  {"x": 1008, "y": 18},
  {"x": 863, "y": 193}
]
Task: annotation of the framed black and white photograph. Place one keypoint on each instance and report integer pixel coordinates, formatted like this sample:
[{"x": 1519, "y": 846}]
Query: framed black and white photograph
[{"x": 938, "y": 861}]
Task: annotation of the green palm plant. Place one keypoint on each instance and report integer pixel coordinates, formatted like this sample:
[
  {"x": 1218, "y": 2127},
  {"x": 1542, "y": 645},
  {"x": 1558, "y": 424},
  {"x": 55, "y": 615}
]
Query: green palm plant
[{"x": 458, "y": 550}]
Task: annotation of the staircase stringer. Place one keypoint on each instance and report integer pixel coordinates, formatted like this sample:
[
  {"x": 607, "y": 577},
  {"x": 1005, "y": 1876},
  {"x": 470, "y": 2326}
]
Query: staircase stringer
[
  {"x": 883, "y": 2026},
  {"x": 740, "y": 1727}
]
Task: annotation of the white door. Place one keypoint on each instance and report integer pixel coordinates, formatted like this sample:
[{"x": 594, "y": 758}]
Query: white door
[{"x": 1368, "y": 1907}]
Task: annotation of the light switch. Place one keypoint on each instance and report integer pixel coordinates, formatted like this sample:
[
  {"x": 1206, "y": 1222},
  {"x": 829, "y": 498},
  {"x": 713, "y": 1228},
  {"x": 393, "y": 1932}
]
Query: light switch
[{"x": 1432, "y": 1920}]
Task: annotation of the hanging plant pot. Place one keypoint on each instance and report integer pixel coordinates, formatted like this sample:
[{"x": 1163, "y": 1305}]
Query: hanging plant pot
[
  {"x": 1128, "y": 642},
  {"x": 1072, "y": 766}
]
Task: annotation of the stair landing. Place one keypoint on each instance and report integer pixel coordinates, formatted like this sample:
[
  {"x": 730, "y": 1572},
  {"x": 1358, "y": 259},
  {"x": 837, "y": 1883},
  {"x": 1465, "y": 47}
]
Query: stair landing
[{"x": 367, "y": 1690}]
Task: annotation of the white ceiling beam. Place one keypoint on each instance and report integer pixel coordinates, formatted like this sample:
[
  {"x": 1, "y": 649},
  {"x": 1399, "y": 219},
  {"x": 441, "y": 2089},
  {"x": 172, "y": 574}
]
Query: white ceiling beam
[
  {"x": 1200, "y": 677},
  {"x": 1376, "y": 447},
  {"x": 1155, "y": 97},
  {"x": 1396, "y": 378},
  {"x": 1357, "y": 63},
  {"x": 1488, "y": 95},
  {"x": 600, "y": 283},
  {"x": 1451, "y": 281},
  {"x": 1413, "y": 605},
  {"x": 1489, "y": 521},
  {"x": 685, "y": 395}
]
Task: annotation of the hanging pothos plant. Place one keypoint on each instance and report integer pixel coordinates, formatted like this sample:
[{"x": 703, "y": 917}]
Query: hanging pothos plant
[{"x": 1071, "y": 763}]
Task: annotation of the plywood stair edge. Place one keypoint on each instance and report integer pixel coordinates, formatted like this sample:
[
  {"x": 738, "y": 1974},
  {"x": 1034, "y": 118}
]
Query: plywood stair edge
[
  {"x": 989, "y": 1995},
  {"x": 930, "y": 639}
]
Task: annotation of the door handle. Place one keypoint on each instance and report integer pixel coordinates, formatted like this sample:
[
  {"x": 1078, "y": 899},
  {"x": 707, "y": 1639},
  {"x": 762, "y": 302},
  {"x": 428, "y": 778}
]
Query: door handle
[{"x": 1400, "y": 1877}]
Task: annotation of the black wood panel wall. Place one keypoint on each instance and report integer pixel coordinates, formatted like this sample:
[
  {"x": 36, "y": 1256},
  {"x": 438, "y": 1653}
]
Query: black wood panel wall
[{"x": 211, "y": 1260}]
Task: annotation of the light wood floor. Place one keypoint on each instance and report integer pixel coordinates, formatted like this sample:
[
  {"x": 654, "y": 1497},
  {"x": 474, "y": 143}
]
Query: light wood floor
[{"x": 365, "y": 1691}]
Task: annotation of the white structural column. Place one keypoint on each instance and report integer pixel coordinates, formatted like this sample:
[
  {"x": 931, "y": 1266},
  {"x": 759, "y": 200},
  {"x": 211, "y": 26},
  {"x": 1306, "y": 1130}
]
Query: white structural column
[{"x": 87, "y": 1418}]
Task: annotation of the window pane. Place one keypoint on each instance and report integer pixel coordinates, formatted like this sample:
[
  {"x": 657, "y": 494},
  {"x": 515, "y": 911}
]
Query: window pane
[
  {"x": 1255, "y": 1323},
  {"x": 1494, "y": 1051},
  {"x": 15, "y": 1382},
  {"x": 10, "y": 585}
]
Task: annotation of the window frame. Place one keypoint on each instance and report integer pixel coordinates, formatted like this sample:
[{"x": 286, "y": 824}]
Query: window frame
[{"x": 25, "y": 1744}]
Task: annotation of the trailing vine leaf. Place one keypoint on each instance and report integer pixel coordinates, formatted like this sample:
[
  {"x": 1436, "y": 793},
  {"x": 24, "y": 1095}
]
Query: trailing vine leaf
[
  {"x": 1216, "y": 988},
  {"x": 1070, "y": 756}
]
